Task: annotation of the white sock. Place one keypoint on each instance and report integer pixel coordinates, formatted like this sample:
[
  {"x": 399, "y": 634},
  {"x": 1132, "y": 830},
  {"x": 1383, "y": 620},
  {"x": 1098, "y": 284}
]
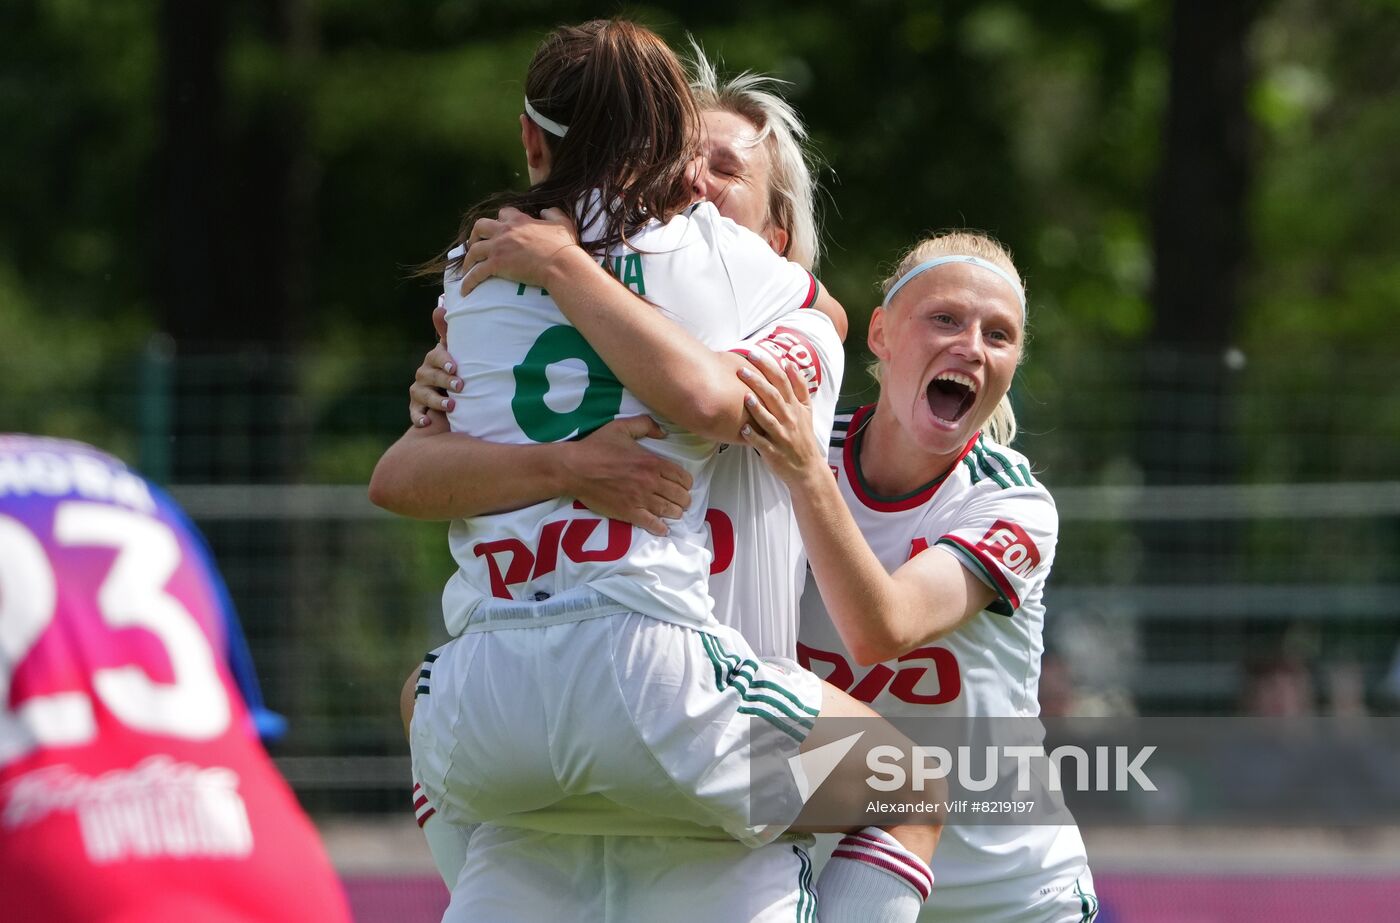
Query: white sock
[
  {"x": 871, "y": 878},
  {"x": 447, "y": 842}
]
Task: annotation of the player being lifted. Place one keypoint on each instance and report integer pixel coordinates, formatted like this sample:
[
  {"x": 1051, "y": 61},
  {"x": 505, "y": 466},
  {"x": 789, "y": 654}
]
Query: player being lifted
[
  {"x": 132, "y": 784},
  {"x": 626, "y": 698},
  {"x": 756, "y": 173},
  {"x": 932, "y": 545}
]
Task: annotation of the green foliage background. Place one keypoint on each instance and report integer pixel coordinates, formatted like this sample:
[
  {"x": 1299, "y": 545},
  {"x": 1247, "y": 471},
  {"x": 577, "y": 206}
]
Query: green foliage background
[{"x": 1039, "y": 122}]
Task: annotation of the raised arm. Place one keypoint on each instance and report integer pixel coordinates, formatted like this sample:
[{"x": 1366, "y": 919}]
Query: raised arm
[
  {"x": 659, "y": 361},
  {"x": 879, "y": 615}
]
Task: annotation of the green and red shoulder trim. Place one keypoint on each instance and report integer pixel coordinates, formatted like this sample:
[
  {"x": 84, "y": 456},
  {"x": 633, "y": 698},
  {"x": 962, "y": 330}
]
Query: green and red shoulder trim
[{"x": 1008, "y": 601}]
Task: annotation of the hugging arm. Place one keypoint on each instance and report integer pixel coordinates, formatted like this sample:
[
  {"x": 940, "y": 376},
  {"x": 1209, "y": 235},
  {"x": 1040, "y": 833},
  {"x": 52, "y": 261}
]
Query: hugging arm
[
  {"x": 433, "y": 473},
  {"x": 879, "y": 615},
  {"x": 665, "y": 366}
]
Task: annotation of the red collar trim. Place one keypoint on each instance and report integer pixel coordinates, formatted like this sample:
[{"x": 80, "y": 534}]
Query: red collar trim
[{"x": 850, "y": 461}]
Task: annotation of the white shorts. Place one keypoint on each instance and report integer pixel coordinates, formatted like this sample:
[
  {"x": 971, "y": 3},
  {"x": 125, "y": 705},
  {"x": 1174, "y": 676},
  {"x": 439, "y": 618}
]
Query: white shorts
[
  {"x": 616, "y": 724},
  {"x": 1070, "y": 900},
  {"x": 526, "y": 876}
]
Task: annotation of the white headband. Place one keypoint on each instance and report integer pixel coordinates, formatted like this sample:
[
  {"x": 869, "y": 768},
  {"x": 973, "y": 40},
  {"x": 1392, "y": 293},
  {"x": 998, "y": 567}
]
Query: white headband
[
  {"x": 926, "y": 265},
  {"x": 548, "y": 124}
]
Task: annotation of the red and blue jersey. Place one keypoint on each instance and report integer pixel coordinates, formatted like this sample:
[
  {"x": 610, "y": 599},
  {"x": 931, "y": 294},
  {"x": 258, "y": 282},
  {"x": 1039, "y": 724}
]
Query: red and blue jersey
[{"x": 132, "y": 783}]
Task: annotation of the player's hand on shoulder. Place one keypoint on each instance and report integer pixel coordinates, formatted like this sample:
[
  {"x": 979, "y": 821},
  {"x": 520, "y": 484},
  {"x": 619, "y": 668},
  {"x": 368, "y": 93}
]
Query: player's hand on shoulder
[
  {"x": 517, "y": 247},
  {"x": 615, "y": 477},
  {"x": 779, "y": 426}
]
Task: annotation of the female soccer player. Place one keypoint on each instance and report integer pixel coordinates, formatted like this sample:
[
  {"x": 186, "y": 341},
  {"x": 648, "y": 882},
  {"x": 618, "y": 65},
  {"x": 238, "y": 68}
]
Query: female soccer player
[
  {"x": 931, "y": 547},
  {"x": 756, "y": 173},
  {"x": 132, "y": 784},
  {"x": 624, "y": 692}
]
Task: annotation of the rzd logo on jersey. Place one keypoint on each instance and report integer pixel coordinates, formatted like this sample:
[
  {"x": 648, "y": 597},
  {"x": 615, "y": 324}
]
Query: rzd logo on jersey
[
  {"x": 927, "y": 676},
  {"x": 510, "y": 561},
  {"x": 784, "y": 343},
  {"x": 1009, "y": 544}
]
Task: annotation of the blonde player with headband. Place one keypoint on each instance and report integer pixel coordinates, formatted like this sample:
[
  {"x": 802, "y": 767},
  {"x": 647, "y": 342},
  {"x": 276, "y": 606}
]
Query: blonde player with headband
[
  {"x": 553, "y": 608},
  {"x": 931, "y": 548}
]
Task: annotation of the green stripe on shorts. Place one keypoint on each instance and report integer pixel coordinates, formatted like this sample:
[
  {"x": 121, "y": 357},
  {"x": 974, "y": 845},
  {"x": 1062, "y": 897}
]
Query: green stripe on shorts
[
  {"x": 806, "y": 897},
  {"x": 752, "y": 666},
  {"x": 1088, "y": 903},
  {"x": 760, "y": 706},
  {"x": 771, "y": 719}
]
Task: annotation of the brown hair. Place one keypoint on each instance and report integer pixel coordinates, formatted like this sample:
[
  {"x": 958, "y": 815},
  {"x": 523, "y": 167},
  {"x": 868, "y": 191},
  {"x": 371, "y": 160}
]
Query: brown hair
[{"x": 633, "y": 128}]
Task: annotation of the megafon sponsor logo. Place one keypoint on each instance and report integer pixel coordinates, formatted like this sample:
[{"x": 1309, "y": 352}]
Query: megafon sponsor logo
[{"x": 1009, "y": 544}]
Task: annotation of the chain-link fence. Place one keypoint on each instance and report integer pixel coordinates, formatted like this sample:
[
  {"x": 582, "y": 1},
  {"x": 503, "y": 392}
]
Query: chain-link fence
[{"x": 1230, "y": 537}]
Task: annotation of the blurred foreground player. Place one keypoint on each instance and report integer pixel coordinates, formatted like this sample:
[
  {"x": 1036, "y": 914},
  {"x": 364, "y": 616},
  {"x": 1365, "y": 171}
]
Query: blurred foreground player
[{"x": 132, "y": 784}]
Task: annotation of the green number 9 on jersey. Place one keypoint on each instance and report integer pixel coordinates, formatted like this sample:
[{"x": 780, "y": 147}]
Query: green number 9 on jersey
[{"x": 598, "y": 403}]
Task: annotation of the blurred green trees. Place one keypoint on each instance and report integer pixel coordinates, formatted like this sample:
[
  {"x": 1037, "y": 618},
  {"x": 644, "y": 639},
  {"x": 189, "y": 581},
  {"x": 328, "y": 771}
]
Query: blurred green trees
[{"x": 240, "y": 173}]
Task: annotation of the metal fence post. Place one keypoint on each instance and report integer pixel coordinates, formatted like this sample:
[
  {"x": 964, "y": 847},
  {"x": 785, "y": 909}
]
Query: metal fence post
[{"x": 154, "y": 407}]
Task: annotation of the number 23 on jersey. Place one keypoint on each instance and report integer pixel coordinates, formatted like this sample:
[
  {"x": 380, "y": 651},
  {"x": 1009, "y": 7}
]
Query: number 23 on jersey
[{"x": 132, "y": 594}]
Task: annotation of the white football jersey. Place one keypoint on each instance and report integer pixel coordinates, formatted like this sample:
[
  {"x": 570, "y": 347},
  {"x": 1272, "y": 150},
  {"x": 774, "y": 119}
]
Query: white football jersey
[
  {"x": 532, "y": 378},
  {"x": 991, "y": 513},
  {"x": 759, "y": 565}
]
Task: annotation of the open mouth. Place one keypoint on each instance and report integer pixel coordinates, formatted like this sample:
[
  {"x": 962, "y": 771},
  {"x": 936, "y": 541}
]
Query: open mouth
[{"x": 950, "y": 396}]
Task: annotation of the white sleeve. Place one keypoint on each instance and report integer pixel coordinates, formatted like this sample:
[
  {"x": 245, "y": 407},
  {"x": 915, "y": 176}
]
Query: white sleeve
[
  {"x": 717, "y": 276},
  {"x": 719, "y": 281},
  {"x": 765, "y": 286},
  {"x": 1006, "y": 536},
  {"x": 809, "y": 340}
]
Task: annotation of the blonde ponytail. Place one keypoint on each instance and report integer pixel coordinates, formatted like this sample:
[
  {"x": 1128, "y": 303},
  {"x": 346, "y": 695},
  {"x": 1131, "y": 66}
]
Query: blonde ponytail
[{"x": 1001, "y": 425}]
